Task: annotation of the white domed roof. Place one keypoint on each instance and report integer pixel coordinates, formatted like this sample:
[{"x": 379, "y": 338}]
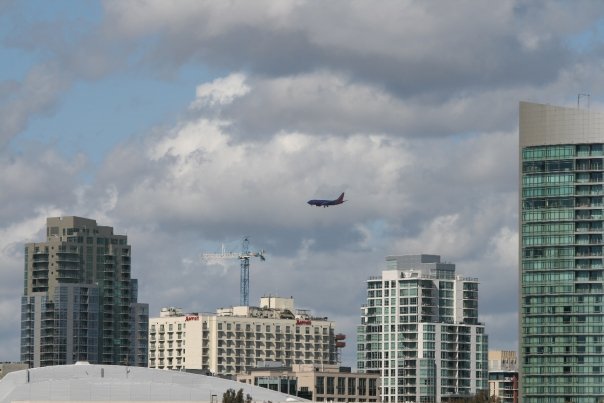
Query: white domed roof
[{"x": 86, "y": 382}]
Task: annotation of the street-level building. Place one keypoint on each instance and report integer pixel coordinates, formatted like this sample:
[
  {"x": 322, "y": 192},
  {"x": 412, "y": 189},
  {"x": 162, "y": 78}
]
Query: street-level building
[
  {"x": 319, "y": 383},
  {"x": 420, "y": 331},
  {"x": 561, "y": 284},
  {"x": 6, "y": 367},
  {"x": 237, "y": 338},
  {"x": 79, "y": 296},
  {"x": 503, "y": 376}
]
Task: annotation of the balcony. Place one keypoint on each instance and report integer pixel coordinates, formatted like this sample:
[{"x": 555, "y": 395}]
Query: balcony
[{"x": 41, "y": 256}]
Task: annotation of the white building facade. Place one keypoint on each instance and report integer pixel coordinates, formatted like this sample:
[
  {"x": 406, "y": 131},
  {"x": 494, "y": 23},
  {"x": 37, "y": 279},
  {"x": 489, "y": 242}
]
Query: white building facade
[
  {"x": 237, "y": 338},
  {"x": 420, "y": 331}
]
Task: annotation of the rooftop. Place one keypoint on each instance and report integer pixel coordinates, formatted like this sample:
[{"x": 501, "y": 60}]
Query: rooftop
[{"x": 86, "y": 382}]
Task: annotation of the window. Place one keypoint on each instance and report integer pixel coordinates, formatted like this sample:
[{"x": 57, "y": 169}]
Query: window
[
  {"x": 372, "y": 387},
  {"x": 352, "y": 386},
  {"x": 330, "y": 385},
  {"x": 320, "y": 385},
  {"x": 341, "y": 385},
  {"x": 362, "y": 386}
]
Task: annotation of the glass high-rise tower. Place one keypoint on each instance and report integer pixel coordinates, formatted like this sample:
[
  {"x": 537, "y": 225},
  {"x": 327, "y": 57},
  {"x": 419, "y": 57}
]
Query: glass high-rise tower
[
  {"x": 79, "y": 300},
  {"x": 561, "y": 282}
]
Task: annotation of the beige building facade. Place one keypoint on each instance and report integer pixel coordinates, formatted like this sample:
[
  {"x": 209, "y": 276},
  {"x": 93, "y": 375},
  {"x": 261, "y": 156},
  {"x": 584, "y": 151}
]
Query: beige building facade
[
  {"x": 319, "y": 383},
  {"x": 237, "y": 338},
  {"x": 6, "y": 367},
  {"x": 503, "y": 375}
]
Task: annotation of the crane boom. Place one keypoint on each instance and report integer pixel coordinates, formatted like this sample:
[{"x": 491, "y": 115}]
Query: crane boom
[{"x": 244, "y": 257}]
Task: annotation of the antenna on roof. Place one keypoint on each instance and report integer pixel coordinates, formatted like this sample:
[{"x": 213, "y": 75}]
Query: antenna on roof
[{"x": 579, "y": 99}]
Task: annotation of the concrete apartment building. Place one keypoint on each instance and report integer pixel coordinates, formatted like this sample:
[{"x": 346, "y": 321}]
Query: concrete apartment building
[
  {"x": 234, "y": 339},
  {"x": 561, "y": 272},
  {"x": 503, "y": 376},
  {"x": 318, "y": 383},
  {"x": 79, "y": 301},
  {"x": 420, "y": 331}
]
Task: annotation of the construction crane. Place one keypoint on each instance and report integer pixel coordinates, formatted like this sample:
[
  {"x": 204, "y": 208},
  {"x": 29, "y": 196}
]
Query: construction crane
[{"x": 244, "y": 257}]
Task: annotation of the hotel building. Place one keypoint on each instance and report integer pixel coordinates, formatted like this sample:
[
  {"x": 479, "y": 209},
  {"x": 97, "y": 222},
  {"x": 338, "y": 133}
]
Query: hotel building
[
  {"x": 420, "y": 331},
  {"x": 79, "y": 301},
  {"x": 237, "y": 338},
  {"x": 560, "y": 259}
]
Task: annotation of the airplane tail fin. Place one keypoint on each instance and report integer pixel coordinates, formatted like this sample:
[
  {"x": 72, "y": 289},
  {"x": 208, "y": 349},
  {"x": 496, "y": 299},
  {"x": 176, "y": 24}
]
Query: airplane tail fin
[{"x": 341, "y": 198}]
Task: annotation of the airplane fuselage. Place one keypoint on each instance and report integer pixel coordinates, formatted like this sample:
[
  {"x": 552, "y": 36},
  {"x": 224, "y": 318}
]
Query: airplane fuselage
[{"x": 327, "y": 203}]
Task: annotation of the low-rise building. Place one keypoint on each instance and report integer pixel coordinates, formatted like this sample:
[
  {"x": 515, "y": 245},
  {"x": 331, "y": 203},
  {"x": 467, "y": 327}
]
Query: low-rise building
[
  {"x": 319, "y": 383},
  {"x": 237, "y": 338},
  {"x": 503, "y": 376},
  {"x": 6, "y": 367}
]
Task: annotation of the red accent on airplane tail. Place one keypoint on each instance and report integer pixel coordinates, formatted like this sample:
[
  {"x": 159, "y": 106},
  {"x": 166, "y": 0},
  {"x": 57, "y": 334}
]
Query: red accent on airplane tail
[{"x": 341, "y": 198}]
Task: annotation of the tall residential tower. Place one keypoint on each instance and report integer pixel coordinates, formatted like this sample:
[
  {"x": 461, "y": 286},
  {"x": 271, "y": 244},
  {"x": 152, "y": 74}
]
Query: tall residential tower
[
  {"x": 561, "y": 318},
  {"x": 79, "y": 301},
  {"x": 420, "y": 331}
]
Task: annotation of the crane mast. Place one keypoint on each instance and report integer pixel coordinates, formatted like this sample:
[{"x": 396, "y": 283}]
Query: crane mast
[{"x": 244, "y": 257}]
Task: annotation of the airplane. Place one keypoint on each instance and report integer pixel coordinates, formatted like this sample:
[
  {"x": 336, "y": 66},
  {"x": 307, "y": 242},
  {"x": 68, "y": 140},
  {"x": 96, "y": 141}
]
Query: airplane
[{"x": 327, "y": 203}]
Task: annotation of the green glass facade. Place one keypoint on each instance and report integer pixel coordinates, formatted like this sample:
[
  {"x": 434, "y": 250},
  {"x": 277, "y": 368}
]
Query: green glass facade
[{"x": 561, "y": 272}]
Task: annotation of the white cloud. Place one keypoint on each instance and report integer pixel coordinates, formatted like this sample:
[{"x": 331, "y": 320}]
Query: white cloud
[
  {"x": 38, "y": 93},
  {"x": 221, "y": 91},
  {"x": 408, "y": 107},
  {"x": 201, "y": 185}
]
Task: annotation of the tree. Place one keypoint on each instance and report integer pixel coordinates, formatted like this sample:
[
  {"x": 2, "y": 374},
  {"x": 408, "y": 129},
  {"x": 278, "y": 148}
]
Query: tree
[
  {"x": 481, "y": 397},
  {"x": 230, "y": 396}
]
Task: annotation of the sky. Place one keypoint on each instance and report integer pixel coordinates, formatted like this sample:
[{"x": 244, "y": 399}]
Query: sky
[{"x": 188, "y": 125}]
